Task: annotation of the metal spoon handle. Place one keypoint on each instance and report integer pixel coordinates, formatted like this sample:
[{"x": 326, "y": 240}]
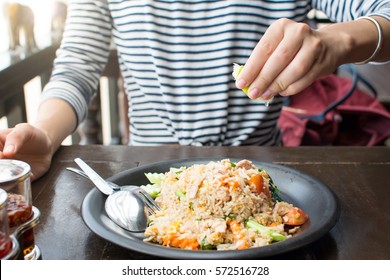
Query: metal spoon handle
[
  {"x": 80, "y": 172},
  {"x": 99, "y": 182}
]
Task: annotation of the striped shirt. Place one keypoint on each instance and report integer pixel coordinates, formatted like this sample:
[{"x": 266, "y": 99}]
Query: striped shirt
[{"x": 176, "y": 58}]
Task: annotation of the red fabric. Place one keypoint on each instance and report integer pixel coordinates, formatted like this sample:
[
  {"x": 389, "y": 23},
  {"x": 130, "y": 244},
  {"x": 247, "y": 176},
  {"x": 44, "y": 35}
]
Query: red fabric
[{"x": 360, "y": 121}]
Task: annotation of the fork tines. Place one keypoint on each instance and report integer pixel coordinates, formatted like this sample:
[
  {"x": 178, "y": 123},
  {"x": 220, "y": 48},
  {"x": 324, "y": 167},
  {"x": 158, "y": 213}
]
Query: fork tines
[{"x": 149, "y": 202}]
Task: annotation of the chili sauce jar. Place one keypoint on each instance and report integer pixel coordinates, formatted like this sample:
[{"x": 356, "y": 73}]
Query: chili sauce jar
[
  {"x": 15, "y": 180},
  {"x": 9, "y": 246}
]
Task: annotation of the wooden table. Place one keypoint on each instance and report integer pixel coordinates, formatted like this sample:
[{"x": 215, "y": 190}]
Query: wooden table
[{"x": 359, "y": 176}]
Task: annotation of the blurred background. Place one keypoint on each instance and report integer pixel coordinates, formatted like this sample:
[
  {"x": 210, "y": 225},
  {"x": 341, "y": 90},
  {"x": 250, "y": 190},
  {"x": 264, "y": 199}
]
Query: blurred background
[
  {"x": 44, "y": 11},
  {"x": 30, "y": 33},
  {"x": 25, "y": 28}
]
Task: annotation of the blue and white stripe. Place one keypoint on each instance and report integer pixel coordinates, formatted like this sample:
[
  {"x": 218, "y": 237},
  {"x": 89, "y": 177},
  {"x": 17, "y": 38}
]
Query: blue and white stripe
[{"x": 176, "y": 58}]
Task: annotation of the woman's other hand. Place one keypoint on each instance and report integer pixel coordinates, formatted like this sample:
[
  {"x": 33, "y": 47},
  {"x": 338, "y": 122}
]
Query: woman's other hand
[{"x": 29, "y": 144}]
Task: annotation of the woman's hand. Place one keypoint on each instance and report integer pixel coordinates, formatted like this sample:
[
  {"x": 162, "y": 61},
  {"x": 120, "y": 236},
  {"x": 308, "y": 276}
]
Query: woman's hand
[
  {"x": 36, "y": 144},
  {"x": 291, "y": 56},
  {"x": 29, "y": 144}
]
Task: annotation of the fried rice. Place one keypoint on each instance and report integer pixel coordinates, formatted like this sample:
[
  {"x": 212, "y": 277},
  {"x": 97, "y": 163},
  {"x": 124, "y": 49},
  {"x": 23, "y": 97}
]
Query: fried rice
[{"x": 219, "y": 206}]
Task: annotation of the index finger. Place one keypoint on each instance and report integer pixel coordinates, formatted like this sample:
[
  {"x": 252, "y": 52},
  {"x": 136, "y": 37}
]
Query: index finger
[{"x": 260, "y": 54}]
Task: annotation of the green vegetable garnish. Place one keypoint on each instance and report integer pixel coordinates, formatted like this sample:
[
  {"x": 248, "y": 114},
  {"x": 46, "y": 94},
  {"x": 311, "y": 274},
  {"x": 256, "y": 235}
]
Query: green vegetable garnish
[
  {"x": 152, "y": 190},
  {"x": 180, "y": 194},
  {"x": 274, "y": 190},
  {"x": 175, "y": 170},
  {"x": 155, "y": 178},
  {"x": 265, "y": 230},
  {"x": 206, "y": 246},
  {"x": 230, "y": 217}
]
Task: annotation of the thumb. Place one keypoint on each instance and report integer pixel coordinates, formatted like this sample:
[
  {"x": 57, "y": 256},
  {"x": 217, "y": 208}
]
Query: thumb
[
  {"x": 9, "y": 150},
  {"x": 3, "y": 138},
  {"x": 15, "y": 139}
]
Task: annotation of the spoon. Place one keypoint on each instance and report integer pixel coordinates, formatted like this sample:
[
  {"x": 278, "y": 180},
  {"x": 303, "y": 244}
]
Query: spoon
[
  {"x": 122, "y": 206},
  {"x": 112, "y": 185},
  {"x": 147, "y": 199}
]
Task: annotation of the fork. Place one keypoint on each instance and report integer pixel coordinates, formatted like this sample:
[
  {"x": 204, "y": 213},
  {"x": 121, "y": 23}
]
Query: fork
[{"x": 149, "y": 202}]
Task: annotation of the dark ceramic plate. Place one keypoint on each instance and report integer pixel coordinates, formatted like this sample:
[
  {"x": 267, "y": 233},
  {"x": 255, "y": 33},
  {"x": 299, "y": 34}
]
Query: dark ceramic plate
[{"x": 295, "y": 187}]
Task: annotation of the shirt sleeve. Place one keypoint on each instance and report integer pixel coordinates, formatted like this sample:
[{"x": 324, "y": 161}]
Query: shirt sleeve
[
  {"x": 82, "y": 55},
  {"x": 348, "y": 10}
]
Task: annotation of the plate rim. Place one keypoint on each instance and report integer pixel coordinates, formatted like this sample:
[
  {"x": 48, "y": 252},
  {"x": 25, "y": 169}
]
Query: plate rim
[{"x": 157, "y": 250}]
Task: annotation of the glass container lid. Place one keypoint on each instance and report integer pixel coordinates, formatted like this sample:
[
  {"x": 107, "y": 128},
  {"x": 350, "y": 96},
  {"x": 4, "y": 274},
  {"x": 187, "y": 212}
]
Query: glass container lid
[{"x": 11, "y": 170}]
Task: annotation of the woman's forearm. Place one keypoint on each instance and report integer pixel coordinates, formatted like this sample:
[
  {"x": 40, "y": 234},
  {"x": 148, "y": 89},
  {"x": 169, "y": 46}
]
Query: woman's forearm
[
  {"x": 57, "y": 119},
  {"x": 360, "y": 39}
]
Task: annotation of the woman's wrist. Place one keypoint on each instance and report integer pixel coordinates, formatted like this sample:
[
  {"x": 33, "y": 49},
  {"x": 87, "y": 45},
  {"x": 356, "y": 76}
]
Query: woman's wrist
[
  {"x": 356, "y": 41},
  {"x": 379, "y": 40},
  {"x": 56, "y": 119},
  {"x": 339, "y": 38}
]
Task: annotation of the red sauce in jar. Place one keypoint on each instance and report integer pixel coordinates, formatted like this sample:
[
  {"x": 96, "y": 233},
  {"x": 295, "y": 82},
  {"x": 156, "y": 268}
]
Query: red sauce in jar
[
  {"x": 5, "y": 245},
  {"x": 18, "y": 210}
]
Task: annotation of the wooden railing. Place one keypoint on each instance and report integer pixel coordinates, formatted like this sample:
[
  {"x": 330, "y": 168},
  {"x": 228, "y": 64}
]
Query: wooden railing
[
  {"x": 15, "y": 72},
  {"x": 20, "y": 70}
]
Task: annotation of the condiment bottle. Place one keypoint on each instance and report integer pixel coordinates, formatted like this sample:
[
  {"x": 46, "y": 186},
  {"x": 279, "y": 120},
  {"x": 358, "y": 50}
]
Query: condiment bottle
[
  {"x": 15, "y": 180},
  {"x": 9, "y": 247}
]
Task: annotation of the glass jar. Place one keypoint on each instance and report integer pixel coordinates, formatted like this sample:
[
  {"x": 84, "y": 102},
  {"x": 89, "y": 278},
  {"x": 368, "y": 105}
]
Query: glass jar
[
  {"x": 25, "y": 236},
  {"x": 9, "y": 247},
  {"x": 15, "y": 180}
]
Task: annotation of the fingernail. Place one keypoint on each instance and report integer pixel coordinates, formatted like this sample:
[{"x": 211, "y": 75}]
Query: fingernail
[
  {"x": 9, "y": 149},
  {"x": 240, "y": 83},
  {"x": 267, "y": 94},
  {"x": 284, "y": 93},
  {"x": 254, "y": 93}
]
